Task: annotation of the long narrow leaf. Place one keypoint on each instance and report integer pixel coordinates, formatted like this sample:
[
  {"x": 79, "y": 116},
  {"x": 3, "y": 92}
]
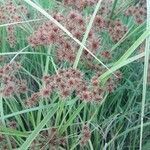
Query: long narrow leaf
[
  {"x": 146, "y": 63},
  {"x": 124, "y": 63},
  {"x": 36, "y": 131},
  {"x": 86, "y": 35}
]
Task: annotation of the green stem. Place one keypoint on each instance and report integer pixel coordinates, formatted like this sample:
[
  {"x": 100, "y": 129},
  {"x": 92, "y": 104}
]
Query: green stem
[
  {"x": 3, "y": 120},
  {"x": 113, "y": 9},
  {"x": 145, "y": 76},
  {"x": 86, "y": 35},
  {"x": 47, "y": 60}
]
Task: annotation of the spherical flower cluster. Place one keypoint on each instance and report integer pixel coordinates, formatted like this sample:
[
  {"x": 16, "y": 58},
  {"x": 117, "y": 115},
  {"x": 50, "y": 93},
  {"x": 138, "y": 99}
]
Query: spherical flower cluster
[
  {"x": 117, "y": 30},
  {"x": 93, "y": 44},
  {"x": 10, "y": 84},
  {"x": 65, "y": 82},
  {"x": 2, "y": 15},
  {"x": 138, "y": 12},
  {"x": 11, "y": 35},
  {"x": 33, "y": 100},
  {"x": 100, "y": 22},
  {"x": 54, "y": 139},
  {"x": 106, "y": 54},
  {"x": 46, "y": 34},
  {"x": 12, "y": 124}
]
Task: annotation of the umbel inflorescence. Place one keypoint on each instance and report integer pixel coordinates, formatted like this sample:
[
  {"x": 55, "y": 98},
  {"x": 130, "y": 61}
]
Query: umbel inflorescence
[
  {"x": 67, "y": 83},
  {"x": 71, "y": 82}
]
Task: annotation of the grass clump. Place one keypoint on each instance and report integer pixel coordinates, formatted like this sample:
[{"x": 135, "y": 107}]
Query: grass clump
[{"x": 71, "y": 74}]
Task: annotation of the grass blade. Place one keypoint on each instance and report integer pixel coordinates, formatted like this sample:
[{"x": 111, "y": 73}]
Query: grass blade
[
  {"x": 19, "y": 53},
  {"x": 128, "y": 52},
  {"x": 12, "y": 132},
  {"x": 146, "y": 62},
  {"x": 36, "y": 131},
  {"x": 86, "y": 35},
  {"x": 118, "y": 66},
  {"x": 71, "y": 118},
  {"x": 134, "y": 46},
  {"x": 21, "y": 22}
]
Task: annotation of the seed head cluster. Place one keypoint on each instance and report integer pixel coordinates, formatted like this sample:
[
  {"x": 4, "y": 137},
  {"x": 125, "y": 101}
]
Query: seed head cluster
[
  {"x": 9, "y": 13},
  {"x": 138, "y": 12},
  {"x": 117, "y": 30},
  {"x": 10, "y": 84},
  {"x": 12, "y": 124},
  {"x": 70, "y": 82},
  {"x": 105, "y": 8},
  {"x": 86, "y": 135},
  {"x": 66, "y": 49}
]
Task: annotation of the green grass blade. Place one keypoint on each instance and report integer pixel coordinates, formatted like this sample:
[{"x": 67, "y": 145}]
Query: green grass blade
[
  {"x": 71, "y": 118},
  {"x": 19, "y": 53},
  {"x": 86, "y": 34},
  {"x": 113, "y": 8},
  {"x": 3, "y": 120},
  {"x": 36, "y": 131},
  {"x": 128, "y": 35},
  {"x": 21, "y": 22},
  {"x": 146, "y": 63},
  {"x": 134, "y": 46},
  {"x": 27, "y": 111},
  {"x": 12, "y": 132},
  {"x": 118, "y": 66},
  {"x": 129, "y": 51},
  {"x": 127, "y": 131}
]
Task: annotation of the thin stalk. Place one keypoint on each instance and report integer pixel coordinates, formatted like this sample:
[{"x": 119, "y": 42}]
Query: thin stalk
[
  {"x": 113, "y": 9},
  {"x": 24, "y": 53},
  {"x": 47, "y": 60},
  {"x": 39, "y": 127},
  {"x": 91, "y": 146},
  {"x": 146, "y": 63},
  {"x": 3, "y": 120},
  {"x": 118, "y": 66},
  {"x": 21, "y": 22},
  {"x": 19, "y": 53},
  {"x": 86, "y": 35}
]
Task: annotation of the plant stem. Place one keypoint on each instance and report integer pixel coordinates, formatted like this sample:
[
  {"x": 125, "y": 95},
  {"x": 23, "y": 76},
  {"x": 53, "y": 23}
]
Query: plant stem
[{"x": 146, "y": 63}]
